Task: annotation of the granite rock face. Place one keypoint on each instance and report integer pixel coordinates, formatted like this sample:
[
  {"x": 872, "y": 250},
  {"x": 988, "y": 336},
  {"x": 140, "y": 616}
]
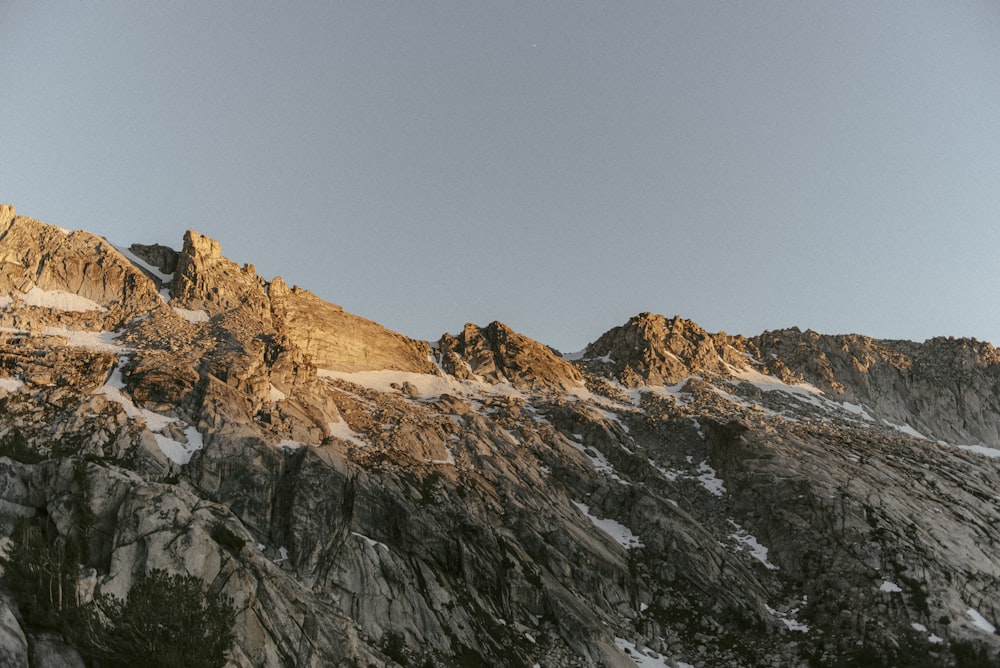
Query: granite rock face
[
  {"x": 498, "y": 354},
  {"x": 673, "y": 497},
  {"x": 652, "y": 350},
  {"x": 946, "y": 388},
  {"x": 337, "y": 340},
  {"x": 204, "y": 279},
  {"x": 13, "y": 643},
  {"x": 42, "y": 265}
]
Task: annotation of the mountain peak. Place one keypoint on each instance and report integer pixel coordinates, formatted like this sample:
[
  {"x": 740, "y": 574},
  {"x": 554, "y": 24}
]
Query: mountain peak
[
  {"x": 7, "y": 214},
  {"x": 207, "y": 280},
  {"x": 496, "y": 353},
  {"x": 651, "y": 349},
  {"x": 43, "y": 264}
]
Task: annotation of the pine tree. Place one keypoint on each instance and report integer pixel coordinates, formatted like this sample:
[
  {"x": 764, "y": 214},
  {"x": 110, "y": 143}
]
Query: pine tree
[
  {"x": 167, "y": 620},
  {"x": 43, "y": 575}
]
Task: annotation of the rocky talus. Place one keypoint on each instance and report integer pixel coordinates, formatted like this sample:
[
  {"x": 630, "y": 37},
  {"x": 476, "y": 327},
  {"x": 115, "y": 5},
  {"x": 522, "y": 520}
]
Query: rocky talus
[{"x": 671, "y": 498}]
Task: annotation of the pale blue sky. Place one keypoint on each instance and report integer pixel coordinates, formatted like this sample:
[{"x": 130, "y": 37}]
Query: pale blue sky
[{"x": 559, "y": 166}]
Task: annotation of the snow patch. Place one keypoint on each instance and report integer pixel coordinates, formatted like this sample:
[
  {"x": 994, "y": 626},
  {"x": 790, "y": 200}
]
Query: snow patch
[
  {"x": 597, "y": 459},
  {"x": 275, "y": 395},
  {"x": 621, "y": 533},
  {"x": 669, "y": 474},
  {"x": 674, "y": 392},
  {"x": 112, "y": 390},
  {"x": 931, "y": 638},
  {"x": 795, "y": 625},
  {"x": 733, "y": 399},
  {"x": 613, "y": 417},
  {"x": 192, "y": 316},
  {"x": 773, "y": 384},
  {"x": 177, "y": 452},
  {"x": 710, "y": 481},
  {"x": 100, "y": 341},
  {"x": 449, "y": 458},
  {"x": 60, "y": 300},
  {"x": 11, "y": 384},
  {"x": 371, "y": 541},
  {"x": 890, "y": 587},
  {"x": 646, "y": 658},
  {"x": 427, "y": 386},
  {"x": 857, "y": 409},
  {"x": 757, "y": 551},
  {"x": 788, "y": 619},
  {"x": 194, "y": 437},
  {"x": 979, "y": 621},
  {"x": 981, "y": 450},
  {"x": 907, "y": 429},
  {"x": 343, "y": 431}
]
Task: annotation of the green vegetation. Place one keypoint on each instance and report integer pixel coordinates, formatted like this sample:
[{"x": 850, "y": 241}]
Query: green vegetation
[
  {"x": 14, "y": 445},
  {"x": 395, "y": 648},
  {"x": 43, "y": 574},
  {"x": 166, "y": 620}
]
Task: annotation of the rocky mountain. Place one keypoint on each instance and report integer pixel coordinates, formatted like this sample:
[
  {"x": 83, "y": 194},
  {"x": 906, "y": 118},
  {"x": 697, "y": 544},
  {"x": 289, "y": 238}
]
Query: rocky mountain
[{"x": 667, "y": 497}]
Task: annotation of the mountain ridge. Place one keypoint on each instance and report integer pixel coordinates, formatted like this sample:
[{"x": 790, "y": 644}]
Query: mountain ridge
[{"x": 673, "y": 497}]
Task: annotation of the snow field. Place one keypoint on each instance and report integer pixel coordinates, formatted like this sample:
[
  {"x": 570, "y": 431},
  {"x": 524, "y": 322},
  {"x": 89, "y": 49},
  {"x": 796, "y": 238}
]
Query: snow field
[{"x": 621, "y": 533}]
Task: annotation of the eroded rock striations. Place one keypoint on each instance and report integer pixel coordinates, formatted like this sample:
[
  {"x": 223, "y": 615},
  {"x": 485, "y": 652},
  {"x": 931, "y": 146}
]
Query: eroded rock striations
[{"x": 673, "y": 497}]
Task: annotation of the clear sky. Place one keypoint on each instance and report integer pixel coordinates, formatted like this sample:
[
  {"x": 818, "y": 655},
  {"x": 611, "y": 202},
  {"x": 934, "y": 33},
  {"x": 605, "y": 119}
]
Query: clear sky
[{"x": 559, "y": 166}]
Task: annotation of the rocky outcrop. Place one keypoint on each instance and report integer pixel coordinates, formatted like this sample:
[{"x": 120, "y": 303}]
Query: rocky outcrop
[
  {"x": 652, "y": 350},
  {"x": 141, "y": 526},
  {"x": 496, "y": 353},
  {"x": 13, "y": 644},
  {"x": 336, "y": 340},
  {"x": 204, "y": 279},
  {"x": 161, "y": 257},
  {"x": 945, "y": 388},
  {"x": 40, "y": 263},
  {"x": 49, "y": 650}
]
